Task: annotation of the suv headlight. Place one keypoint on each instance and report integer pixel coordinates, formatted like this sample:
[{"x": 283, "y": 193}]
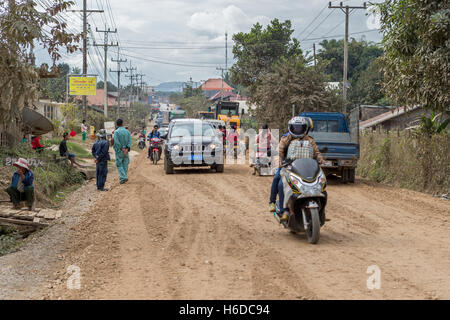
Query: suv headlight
[{"x": 175, "y": 147}]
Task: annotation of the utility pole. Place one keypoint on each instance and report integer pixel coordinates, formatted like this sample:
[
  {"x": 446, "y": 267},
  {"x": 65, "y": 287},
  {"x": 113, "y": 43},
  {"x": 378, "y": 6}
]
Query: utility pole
[
  {"x": 226, "y": 51},
  {"x": 314, "y": 49},
  {"x": 346, "y": 10},
  {"x": 105, "y": 77},
  {"x": 139, "y": 84},
  {"x": 131, "y": 69},
  {"x": 119, "y": 71},
  {"x": 221, "y": 91},
  {"x": 85, "y": 12}
]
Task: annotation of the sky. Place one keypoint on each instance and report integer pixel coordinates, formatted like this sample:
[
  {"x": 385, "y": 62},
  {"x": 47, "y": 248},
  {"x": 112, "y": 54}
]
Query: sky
[{"x": 175, "y": 40}]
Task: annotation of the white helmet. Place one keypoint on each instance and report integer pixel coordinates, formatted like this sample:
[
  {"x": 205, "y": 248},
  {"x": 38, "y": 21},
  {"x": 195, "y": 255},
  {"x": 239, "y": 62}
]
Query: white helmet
[{"x": 299, "y": 126}]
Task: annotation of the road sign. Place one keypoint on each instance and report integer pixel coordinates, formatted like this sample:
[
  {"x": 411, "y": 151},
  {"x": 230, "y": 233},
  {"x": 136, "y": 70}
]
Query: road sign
[{"x": 83, "y": 86}]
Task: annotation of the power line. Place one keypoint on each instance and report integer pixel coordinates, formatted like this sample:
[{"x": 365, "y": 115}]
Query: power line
[
  {"x": 346, "y": 11},
  {"x": 331, "y": 12}
]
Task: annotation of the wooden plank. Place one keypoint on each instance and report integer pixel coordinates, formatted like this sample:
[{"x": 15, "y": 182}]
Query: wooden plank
[{"x": 23, "y": 222}]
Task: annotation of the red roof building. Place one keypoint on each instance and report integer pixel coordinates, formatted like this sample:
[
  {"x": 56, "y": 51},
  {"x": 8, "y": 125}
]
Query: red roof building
[
  {"x": 99, "y": 98},
  {"x": 213, "y": 86}
]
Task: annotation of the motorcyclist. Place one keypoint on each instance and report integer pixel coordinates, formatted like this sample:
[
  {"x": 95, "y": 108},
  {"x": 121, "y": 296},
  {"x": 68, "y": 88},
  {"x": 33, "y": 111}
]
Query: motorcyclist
[
  {"x": 153, "y": 134},
  {"x": 142, "y": 133},
  {"x": 298, "y": 131}
]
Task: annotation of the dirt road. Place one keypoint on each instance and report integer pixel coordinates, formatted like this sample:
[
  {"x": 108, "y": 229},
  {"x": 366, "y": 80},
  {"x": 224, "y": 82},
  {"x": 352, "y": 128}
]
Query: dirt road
[{"x": 202, "y": 235}]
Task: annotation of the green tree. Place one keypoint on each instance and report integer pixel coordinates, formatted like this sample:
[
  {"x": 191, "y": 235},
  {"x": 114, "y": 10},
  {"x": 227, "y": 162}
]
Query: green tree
[
  {"x": 361, "y": 57},
  {"x": 367, "y": 88},
  {"x": 257, "y": 51},
  {"x": 21, "y": 26},
  {"x": 293, "y": 82},
  {"x": 111, "y": 87},
  {"x": 55, "y": 89},
  {"x": 416, "y": 61}
]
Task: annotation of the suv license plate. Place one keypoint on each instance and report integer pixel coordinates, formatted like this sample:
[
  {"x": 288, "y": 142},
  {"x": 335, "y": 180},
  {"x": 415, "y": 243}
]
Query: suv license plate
[{"x": 196, "y": 157}]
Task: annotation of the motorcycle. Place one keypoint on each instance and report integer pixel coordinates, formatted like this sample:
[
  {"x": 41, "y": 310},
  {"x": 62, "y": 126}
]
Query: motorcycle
[
  {"x": 155, "y": 147},
  {"x": 262, "y": 163},
  {"x": 304, "y": 185},
  {"x": 141, "y": 143}
]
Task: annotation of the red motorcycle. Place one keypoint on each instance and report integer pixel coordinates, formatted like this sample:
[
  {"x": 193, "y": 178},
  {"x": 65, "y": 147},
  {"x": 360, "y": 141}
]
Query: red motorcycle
[
  {"x": 155, "y": 147},
  {"x": 141, "y": 143}
]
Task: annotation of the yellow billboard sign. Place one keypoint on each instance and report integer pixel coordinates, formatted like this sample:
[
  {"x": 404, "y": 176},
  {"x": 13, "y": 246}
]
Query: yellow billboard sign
[{"x": 83, "y": 86}]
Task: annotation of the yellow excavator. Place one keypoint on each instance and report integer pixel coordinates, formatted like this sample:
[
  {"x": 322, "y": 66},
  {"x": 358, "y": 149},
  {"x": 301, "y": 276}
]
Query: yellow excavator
[{"x": 228, "y": 112}]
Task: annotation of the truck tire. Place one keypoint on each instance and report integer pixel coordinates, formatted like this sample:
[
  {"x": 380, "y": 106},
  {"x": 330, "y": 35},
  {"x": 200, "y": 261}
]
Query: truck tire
[
  {"x": 220, "y": 167},
  {"x": 168, "y": 166},
  {"x": 344, "y": 175},
  {"x": 351, "y": 175}
]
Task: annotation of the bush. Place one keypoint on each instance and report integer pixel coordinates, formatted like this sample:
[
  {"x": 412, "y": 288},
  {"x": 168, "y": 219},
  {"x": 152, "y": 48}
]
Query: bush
[
  {"x": 8, "y": 239},
  {"x": 49, "y": 178},
  {"x": 406, "y": 160}
]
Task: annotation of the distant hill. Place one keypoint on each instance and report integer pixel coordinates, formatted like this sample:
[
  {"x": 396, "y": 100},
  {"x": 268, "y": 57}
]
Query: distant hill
[{"x": 170, "y": 87}]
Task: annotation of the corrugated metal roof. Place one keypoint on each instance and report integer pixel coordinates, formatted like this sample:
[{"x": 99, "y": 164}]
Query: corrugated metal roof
[{"x": 384, "y": 117}]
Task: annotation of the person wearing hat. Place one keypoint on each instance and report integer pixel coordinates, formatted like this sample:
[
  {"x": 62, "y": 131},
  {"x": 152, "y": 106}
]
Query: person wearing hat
[
  {"x": 22, "y": 188},
  {"x": 100, "y": 151}
]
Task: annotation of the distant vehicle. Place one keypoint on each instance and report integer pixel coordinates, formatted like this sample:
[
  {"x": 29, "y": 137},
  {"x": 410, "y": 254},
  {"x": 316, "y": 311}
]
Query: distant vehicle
[
  {"x": 228, "y": 111},
  {"x": 338, "y": 145},
  {"x": 177, "y": 114},
  {"x": 192, "y": 143},
  {"x": 206, "y": 115},
  {"x": 216, "y": 123},
  {"x": 163, "y": 117}
]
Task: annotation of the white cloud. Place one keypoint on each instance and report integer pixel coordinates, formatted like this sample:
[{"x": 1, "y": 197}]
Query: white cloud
[
  {"x": 178, "y": 23},
  {"x": 215, "y": 23}
]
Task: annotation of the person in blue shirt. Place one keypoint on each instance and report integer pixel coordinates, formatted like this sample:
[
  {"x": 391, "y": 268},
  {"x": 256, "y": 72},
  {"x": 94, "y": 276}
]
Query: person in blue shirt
[
  {"x": 122, "y": 145},
  {"x": 100, "y": 151},
  {"x": 153, "y": 134},
  {"x": 22, "y": 188},
  {"x": 274, "y": 188}
]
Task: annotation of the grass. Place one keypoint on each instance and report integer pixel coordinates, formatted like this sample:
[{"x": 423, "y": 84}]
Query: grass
[
  {"x": 49, "y": 178},
  {"x": 406, "y": 160},
  {"x": 73, "y": 147},
  {"x": 9, "y": 240}
]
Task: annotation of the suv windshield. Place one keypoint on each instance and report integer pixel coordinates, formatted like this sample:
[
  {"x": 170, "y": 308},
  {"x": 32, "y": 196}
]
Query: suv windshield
[{"x": 192, "y": 129}]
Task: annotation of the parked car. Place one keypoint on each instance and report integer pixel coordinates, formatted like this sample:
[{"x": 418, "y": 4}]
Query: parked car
[
  {"x": 192, "y": 143},
  {"x": 335, "y": 141}
]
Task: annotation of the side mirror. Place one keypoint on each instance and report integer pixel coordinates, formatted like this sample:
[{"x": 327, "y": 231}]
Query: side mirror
[{"x": 164, "y": 136}]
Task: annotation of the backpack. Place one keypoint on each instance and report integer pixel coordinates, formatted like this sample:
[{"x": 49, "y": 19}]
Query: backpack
[{"x": 300, "y": 149}]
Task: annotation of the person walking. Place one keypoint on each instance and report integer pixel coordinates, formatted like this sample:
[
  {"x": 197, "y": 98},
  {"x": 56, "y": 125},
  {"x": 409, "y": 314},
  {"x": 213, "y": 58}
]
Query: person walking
[
  {"x": 84, "y": 130},
  {"x": 122, "y": 145},
  {"x": 100, "y": 151}
]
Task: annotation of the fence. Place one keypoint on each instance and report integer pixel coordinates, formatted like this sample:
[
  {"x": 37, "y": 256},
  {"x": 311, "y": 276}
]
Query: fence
[{"x": 406, "y": 159}]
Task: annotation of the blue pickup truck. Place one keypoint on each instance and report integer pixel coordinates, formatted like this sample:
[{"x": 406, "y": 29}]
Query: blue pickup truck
[{"x": 337, "y": 141}]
